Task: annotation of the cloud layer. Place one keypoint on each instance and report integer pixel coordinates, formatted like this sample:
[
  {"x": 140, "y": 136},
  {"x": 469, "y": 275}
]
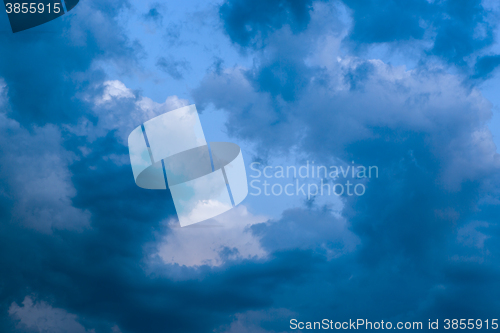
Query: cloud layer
[{"x": 85, "y": 250}]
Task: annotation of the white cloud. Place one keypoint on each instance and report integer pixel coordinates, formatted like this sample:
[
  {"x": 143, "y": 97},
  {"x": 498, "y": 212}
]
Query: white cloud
[
  {"x": 120, "y": 109},
  {"x": 114, "y": 89},
  {"x": 213, "y": 241}
]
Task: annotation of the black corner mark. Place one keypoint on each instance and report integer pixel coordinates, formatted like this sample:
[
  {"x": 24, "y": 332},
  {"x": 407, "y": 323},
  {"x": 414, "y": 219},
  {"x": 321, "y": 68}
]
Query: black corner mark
[
  {"x": 31, "y": 13},
  {"x": 70, "y": 4}
]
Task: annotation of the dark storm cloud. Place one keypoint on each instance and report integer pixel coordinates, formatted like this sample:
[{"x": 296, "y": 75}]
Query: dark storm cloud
[
  {"x": 244, "y": 21},
  {"x": 326, "y": 232},
  {"x": 426, "y": 227},
  {"x": 388, "y": 21},
  {"x": 97, "y": 273},
  {"x": 462, "y": 31},
  {"x": 97, "y": 277},
  {"x": 51, "y": 63},
  {"x": 485, "y": 66},
  {"x": 284, "y": 78},
  {"x": 457, "y": 30},
  {"x": 422, "y": 242}
]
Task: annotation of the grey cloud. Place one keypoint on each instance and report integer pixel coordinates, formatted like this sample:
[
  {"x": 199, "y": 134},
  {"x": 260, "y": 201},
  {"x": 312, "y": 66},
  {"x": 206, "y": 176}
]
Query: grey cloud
[
  {"x": 36, "y": 178},
  {"x": 427, "y": 132},
  {"x": 314, "y": 228},
  {"x": 43, "y": 318},
  {"x": 454, "y": 119},
  {"x": 175, "y": 68},
  {"x": 54, "y": 69}
]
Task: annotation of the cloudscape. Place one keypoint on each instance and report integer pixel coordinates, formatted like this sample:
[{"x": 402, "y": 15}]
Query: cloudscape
[{"x": 393, "y": 102}]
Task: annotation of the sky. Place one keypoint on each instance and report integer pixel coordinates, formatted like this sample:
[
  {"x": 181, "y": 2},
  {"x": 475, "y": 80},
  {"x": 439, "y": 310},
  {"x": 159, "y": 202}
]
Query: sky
[{"x": 410, "y": 87}]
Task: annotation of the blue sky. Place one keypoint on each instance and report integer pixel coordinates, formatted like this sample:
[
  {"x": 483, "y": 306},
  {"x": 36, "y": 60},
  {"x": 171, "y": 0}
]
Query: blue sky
[{"x": 408, "y": 86}]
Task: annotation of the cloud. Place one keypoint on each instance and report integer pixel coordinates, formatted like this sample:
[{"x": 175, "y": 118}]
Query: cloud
[
  {"x": 455, "y": 33},
  {"x": 423, "y": 233},
  {"x": 389, "y": 21},
  {"x": 76, "y": 42},
  {"x": 315, "y": 228},
  {"x": 214, "y": 242},
  {"x": 419, "y": 101},
  {"x": 86, "y": 271},
  {"x": 43, "y": 318},
  {"x": 252, "y": 321},
  {"x": 425, "y": 129},
  {"x": 464, "y": 29},
  {"x": 174, "y": 68},
  {"x": 471, "y": 236},
  {"x": 249, "y": 23},
  {"x": 35, "y": 177}
]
